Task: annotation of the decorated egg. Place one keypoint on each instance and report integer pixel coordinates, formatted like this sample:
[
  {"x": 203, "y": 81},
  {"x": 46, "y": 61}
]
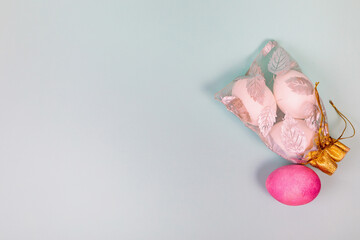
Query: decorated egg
[
  {"x": 293, "y": 185},
  {"x": 258, "y": 101},
  {"x": 293, "y": 137},
  {"x": 294, "y": 93}
]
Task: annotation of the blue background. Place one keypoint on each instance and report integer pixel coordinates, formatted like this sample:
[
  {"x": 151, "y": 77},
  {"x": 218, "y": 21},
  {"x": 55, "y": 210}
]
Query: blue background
[{"x": 109, "y": 128}]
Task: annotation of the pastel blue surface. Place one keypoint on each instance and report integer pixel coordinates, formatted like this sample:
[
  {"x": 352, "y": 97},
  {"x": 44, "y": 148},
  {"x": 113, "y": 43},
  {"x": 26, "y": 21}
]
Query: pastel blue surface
[{"x": 109, "y": 128}]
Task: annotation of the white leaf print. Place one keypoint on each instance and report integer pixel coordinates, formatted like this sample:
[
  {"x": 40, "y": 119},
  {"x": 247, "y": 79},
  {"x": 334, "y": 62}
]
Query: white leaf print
[
  {"x": 292, "y": 137},
  {"x": 266, "y": 120},
  {"x": 255, "y": 70},
  {"x": 279, "y": 62},
  {"x": 300, "y": 85},
  {"x": 270, "y": 45},
  {"x": 289, "y": 119},
  {"x": 235, "y": 105},
  {"x": 256, "y": 88},
  {"x": 312, "y": 112}
]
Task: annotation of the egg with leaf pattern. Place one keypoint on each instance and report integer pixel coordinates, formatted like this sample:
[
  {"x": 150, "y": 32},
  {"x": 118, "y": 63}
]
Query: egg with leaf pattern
[
  {"x": 258, "y": 100},
  {"x": 294, "y": 93},
  {"x": 293, "y": 137}
]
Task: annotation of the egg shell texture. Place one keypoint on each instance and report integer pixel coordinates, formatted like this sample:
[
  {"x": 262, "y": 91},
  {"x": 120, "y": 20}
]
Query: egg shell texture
[{"x": 293, "y": 185}]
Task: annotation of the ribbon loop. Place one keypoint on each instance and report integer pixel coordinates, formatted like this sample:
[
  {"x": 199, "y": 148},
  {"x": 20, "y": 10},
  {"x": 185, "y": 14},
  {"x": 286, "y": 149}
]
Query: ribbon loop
[{"x": 329, "y": 150}]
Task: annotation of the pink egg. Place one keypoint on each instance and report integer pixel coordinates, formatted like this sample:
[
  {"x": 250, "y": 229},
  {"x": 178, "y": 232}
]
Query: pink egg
[{"x": 293, "y": 185}]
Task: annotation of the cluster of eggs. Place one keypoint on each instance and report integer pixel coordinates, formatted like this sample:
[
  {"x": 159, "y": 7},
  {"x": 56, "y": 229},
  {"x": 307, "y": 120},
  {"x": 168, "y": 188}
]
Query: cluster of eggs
[{"x": 292, "y": 93}]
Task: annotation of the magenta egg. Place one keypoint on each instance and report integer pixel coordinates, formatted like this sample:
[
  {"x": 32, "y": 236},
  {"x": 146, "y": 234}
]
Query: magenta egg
[{"x": 293, "y": 185}]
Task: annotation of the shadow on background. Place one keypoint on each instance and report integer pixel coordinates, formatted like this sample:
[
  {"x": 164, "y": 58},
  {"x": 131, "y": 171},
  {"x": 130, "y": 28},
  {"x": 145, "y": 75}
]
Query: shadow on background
[{"x": 267, "y": 167}]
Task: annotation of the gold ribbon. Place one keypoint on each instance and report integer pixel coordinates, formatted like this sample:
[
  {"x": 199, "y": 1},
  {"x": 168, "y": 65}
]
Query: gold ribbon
[{"x": 330, "y": 150}]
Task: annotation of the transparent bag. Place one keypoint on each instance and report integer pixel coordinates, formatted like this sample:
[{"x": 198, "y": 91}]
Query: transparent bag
[{"x": 278, "y": 102}]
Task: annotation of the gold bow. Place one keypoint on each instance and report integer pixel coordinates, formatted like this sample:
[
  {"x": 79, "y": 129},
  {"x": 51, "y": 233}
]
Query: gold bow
[{"x": 330, "y": 150}]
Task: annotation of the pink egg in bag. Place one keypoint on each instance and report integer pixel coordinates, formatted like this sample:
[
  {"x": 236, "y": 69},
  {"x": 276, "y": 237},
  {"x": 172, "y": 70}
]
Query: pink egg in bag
[{"x": 279, "y": 103}]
